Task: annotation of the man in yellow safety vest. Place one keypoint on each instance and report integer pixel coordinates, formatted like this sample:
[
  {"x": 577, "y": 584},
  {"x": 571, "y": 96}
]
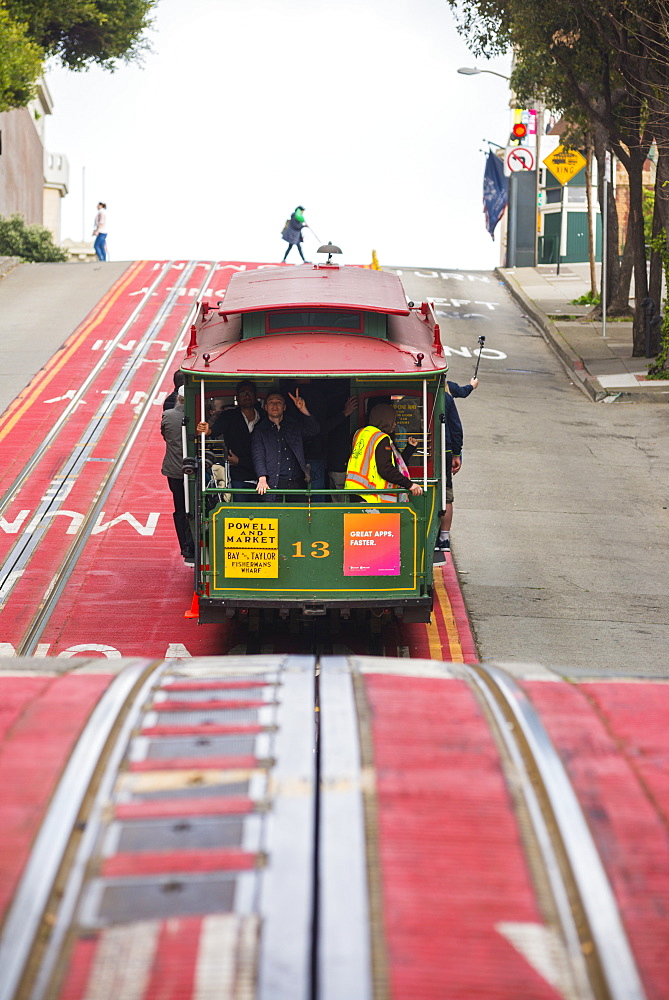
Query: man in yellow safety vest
[{"x": 375, "y": 461}]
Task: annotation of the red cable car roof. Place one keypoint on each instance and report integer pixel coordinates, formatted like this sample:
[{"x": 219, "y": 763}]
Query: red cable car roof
[
  {"x": 314, "y": 354},
  {"x": 315, "y": 286}
]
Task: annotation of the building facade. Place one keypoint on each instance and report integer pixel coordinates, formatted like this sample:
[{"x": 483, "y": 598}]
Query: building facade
[{"x": 32, "y": 181}]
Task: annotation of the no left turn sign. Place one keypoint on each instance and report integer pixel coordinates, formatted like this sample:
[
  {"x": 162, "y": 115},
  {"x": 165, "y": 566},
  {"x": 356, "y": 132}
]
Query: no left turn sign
[{"x": 519, "y": 158}]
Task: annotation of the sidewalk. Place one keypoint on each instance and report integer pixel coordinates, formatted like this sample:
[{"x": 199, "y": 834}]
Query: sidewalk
[{"x": 603, "y": 367}]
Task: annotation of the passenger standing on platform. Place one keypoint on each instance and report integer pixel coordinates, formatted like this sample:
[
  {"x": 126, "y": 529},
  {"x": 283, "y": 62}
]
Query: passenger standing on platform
[
  {"x": 100, "y": 231},
  {"x": 235, "y": 426},
  {"x": 454, "y": 439},
  {"x": 277, "y": 444},
  {"x": 376, "y": 462},
  {"x": 170, "y": 428},
  {"x": 292, "y": 231},
  {"x": 170, "y": 401},
  {"x": 339, "y": 440}
]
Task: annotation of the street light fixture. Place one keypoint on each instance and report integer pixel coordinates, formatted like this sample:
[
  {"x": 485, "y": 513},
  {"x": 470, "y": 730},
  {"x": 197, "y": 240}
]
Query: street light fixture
[{"x": 474, "y": 71}]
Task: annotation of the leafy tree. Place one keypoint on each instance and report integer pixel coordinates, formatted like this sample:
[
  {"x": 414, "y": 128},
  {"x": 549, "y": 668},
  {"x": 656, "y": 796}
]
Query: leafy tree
[
  {"x": 648, "y": 212},
  {"x": 32, "y": 243},
  {"x": 79, "y": 33},
  {"x": 20, "y": 63},
  {"x": 563, "y": 53}
]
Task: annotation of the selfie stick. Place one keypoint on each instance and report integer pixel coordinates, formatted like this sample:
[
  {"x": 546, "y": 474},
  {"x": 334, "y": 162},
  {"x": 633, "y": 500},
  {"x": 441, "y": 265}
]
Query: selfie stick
[{"x": 478, "y": 360}]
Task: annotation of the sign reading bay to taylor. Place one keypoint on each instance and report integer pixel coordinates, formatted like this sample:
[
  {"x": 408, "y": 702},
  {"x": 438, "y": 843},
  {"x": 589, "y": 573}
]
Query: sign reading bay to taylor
[
  {"x": 371, "y": 544},
  {"x": 252, "y": 547},
  {"x": 564, "y": 164}
]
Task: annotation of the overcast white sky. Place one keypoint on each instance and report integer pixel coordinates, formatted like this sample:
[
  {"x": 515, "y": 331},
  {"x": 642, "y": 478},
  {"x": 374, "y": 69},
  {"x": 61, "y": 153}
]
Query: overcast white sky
[{"x": 247, "y": 108}]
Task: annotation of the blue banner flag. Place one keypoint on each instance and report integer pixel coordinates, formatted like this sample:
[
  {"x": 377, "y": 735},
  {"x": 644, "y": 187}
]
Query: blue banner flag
[{"x": 495, "y": 192}]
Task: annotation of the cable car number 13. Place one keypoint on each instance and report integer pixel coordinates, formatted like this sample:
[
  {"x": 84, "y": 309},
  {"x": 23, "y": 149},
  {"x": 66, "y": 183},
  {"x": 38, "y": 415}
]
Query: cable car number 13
[{"x": 319, "y": 550}]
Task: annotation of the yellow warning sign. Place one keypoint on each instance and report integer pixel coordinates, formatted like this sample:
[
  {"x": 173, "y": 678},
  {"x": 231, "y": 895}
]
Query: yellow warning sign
[
  {"x": 564, "y": 164},
  {"x": 252, "y": 547}
]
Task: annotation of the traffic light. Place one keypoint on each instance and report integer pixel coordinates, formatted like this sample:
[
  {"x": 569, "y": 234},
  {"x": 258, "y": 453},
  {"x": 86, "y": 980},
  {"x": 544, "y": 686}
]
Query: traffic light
[{"x": 518, "y": 132}]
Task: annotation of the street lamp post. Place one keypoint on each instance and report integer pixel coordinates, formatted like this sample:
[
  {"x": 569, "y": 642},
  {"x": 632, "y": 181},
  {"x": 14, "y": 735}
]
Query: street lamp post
[{"x": 474, "y": 71}]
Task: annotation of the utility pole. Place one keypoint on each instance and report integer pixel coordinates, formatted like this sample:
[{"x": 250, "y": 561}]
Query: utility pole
[
  {"x": 83, "y": 204},
  {"x": 605, "y": 233}
]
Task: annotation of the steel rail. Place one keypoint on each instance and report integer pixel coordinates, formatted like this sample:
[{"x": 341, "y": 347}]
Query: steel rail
[
  {"x": 523, "y": 782},
  {"x": 10, "y": 493},
  {"x": 25, "y": 916},
  {"x": 62, "y": 483},
  {"x": 592, "y": 892},
  {"x": 60, "y": 579}
]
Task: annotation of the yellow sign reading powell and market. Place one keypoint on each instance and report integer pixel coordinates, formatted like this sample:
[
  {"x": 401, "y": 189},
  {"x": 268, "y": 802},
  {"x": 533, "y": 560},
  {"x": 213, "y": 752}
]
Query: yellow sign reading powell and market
[
  {"x": 565, "y": 163},
  {"x": 252, "y": 546}
]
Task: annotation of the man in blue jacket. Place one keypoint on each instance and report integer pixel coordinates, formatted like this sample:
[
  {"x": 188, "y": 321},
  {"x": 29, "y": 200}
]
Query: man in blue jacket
[
  {"x": 277, "y": 444},
  {"x": 454, "y": 439}
]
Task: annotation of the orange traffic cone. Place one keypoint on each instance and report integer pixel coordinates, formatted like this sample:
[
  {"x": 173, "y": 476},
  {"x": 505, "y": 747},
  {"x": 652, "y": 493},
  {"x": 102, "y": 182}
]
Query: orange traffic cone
[{"x": 194, "y": 611}]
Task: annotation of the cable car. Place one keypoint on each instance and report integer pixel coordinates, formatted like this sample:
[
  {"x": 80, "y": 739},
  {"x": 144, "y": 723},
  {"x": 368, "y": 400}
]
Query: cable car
[{"x": 330, "y": 332}]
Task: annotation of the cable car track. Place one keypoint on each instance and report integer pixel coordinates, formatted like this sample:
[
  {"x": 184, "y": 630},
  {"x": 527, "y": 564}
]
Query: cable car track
[
  {"x": 170, "y": 716},
  {"x": 11, "y": 492},
  {"x": 28, "y": 542},
  {"x": 582, "y": 898}
]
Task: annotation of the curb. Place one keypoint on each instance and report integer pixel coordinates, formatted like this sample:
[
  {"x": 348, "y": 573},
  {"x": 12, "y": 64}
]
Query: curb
[
  {"x": 8, "y": 264},
  {"x": 572, "y": 362},
  {"x": 551, "y": 335}
]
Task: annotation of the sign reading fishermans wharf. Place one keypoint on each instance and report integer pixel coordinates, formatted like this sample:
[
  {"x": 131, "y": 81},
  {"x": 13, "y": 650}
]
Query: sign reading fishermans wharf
[
  {"x": 371, "y": 544},
  {"x": 252, "y": 547}
]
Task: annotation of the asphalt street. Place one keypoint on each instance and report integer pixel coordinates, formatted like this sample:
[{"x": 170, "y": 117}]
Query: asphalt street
[
  {"x": 40, "y": 306},
  {"x": 561, "y": 508}
]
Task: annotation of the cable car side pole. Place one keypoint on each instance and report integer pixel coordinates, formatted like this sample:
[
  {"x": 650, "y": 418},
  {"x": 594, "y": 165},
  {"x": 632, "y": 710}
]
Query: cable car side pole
[
  {"x": 184, "y": 454},
  {"x": 442, "y": 417},
  {"x": 478, "y": 360},
  {"x": 425, "y": 434},
  {"x": 202, "y": 437}
]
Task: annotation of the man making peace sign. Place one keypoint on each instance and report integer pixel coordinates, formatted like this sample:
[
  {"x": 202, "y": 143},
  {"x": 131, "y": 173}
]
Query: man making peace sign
[{"x": 277, "y": 444}]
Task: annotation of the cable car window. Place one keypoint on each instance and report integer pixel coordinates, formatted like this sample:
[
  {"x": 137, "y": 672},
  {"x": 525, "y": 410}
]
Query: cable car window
[
  {"x": 322, "y": 319},
  {"x": 409, "y": 410}
]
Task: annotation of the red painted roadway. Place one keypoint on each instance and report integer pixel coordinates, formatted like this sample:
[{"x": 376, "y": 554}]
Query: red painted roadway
[
  {"x": 130, "y": 589},
  {"x": 454, "y": 874},
  {"x": 612, "y": 738},
  {"x": 40, "y": 721},
  {"x": 455, "y": 880}
]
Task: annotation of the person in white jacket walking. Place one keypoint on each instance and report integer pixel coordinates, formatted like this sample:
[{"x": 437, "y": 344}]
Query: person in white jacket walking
[{"x": 100, "y": 231}]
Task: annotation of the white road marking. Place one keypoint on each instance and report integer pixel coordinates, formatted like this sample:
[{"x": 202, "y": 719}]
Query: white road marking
[
  {"x": 123, "y": 962},
  {"x": 110, "y": 652},
  {"x": 227, "y": 958},
  {"x": 542, "y": 948},
  {"x": 57, "y": 399},
  {"x": 12, "y": 527},
  {"x": 142, "y": 529},
  {"x": 177, "y": 651}
]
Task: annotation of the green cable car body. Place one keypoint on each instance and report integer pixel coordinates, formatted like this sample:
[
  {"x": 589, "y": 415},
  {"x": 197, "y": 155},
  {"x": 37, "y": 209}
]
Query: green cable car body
[{"x": 334, "y": 331}]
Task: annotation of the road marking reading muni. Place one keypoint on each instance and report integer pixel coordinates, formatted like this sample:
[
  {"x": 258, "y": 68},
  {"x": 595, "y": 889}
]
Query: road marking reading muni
[
  {"x": 76, "y": 519},
  {"x": 141, "y": 529},
  {"x": 13, "y": 527}
]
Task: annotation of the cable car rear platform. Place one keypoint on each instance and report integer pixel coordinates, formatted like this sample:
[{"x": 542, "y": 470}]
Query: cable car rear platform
[{"x": 345, "y": 827}]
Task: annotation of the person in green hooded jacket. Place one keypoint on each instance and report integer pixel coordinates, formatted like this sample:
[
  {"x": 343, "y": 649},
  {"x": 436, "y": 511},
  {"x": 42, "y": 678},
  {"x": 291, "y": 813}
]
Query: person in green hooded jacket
[{"x": 292, "y": 231}]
